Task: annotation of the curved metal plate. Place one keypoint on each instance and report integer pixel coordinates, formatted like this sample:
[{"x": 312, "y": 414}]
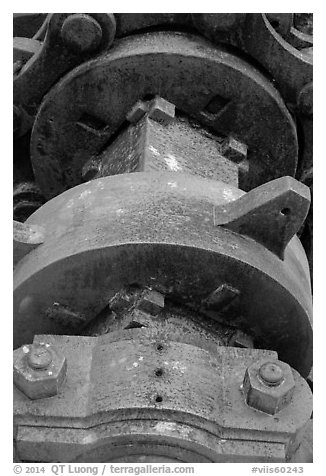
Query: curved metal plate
[
  {"x": 151, "y": 228},
  {"x": 183, "y": 69},
  {"x": 291, "y": 68}
]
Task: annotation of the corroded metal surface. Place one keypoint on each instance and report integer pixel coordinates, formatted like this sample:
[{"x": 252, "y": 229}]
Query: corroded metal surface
[
  {"x": 153, "y": 228},
  {"x": 193, "y": 408},
  {"x": 184, "y": 70},
  {"x": 165, "y": 297}
]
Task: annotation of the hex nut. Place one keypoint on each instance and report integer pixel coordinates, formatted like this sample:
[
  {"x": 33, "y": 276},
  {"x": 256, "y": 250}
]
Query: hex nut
[
  {"x": 39, "y": 370},
  {"x": 269, "y": 397},
  {"x": 151, "y": 302}
]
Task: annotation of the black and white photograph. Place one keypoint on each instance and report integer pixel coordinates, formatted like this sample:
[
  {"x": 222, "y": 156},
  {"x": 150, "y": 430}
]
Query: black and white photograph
[{"x": 162, "y": 242}]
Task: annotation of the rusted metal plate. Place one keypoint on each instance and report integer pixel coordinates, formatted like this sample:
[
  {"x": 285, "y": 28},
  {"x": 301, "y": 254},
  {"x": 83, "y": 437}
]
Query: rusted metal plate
[
  {"x": 195, "y": 404},
  {"x": 79, "y": 115},
  {"x": 158, "y": 229}
]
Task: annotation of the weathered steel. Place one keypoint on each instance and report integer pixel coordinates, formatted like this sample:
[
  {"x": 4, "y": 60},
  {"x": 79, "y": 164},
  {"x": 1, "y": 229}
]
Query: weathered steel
[
  {"x": 157, "y": 228},
  {"x": 270, "y": 214},
  {"x": 157, "y": 140},
  {"x": 193, "y": 410},
  {"x": 56, "y": 57},
  {"x": 39, "y": 370},
  {"x": 25, "y": 238},
  {"x": 160, "y": 287},
  {"x": 213, "y": 86},
  {"x": 269, "y": 386},
  {"x": 290, "y": 67}
]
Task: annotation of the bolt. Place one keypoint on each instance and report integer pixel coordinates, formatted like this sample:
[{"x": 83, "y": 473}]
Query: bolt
[
  {"x": 81, "y": 32},
  {"x": 39, "y": 357},
  {"x": 271, "y": 373},
  {"x": 39, "y": 370},
  {"x": 305, "y": 100},
  {"x": 268, "y": 386}
]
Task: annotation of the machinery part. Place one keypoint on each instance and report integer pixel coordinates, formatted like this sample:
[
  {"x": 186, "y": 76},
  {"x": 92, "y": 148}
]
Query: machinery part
[
  {"x": 25, "y": 239},
  {"x": 61, "y": 51},
  {"x": 143, "y": 228},
  {"x": 211, "y": 85},
  {"x": 266, "y": 45},
  {"x": 164, "y": 399},
  {"x": 268, "y": 387},
  {"x": 270, "y": 214},
  {"x": 157, "y": 140},
  {"x": 171, "y": 292},
  {"x": 27, "y": 24},
  {"x": 27, "y": 198},
  {"x": 39, "y": 370}
]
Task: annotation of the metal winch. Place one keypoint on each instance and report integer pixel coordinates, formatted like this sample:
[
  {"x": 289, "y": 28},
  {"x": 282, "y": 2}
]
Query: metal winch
[{"x": 162, "y": 300}]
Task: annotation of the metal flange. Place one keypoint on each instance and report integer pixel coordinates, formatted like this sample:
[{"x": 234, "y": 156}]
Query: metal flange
[
  {"x": 157, "y": 229},
  {"x": 140, "y": 394},
  {"x": 224, "y": 93}
]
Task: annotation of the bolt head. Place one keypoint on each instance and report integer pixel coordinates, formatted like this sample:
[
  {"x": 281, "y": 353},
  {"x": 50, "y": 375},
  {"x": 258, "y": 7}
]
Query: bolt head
[
  {"x": 39, "y": 357},
  {"x": 268, "y": 386},
  {"x": 39, "y": 370},
  {"x": 81, "y": 32},
  {"x": 271, "y": 373}
]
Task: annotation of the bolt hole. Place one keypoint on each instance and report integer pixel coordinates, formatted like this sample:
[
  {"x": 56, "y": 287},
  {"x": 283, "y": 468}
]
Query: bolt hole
[
  {"x": 159, "y": 347},
  {"x": 159, "y": 372},
  {"x": 285, "y": 211},
  {"x": 158, "y": 399}
]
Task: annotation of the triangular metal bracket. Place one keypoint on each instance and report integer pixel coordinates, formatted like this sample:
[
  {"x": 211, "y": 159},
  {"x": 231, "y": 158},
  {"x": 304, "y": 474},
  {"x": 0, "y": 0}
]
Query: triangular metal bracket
[{"x": 270, "y": 214}]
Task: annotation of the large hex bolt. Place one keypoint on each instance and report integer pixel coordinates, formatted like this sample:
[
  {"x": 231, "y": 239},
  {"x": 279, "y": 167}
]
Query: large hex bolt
[
  {"x": 268, "y": 386},
  {"x": 81, "y": 32},
  {"x": 39, "y": 370}
]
